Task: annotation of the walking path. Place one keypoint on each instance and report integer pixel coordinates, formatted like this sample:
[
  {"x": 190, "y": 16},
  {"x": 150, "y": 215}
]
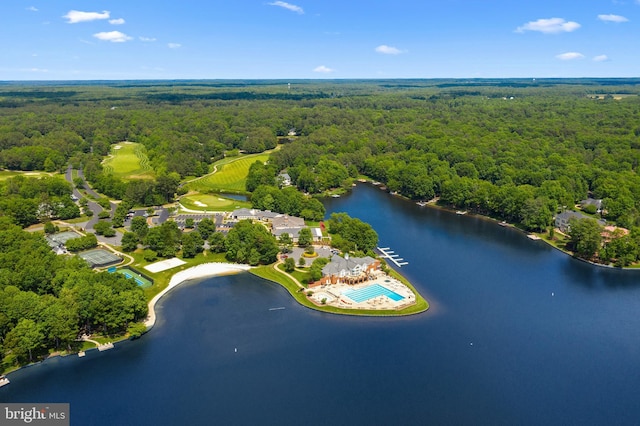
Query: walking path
[
  {"x": 275, "y": 266},
  {"x": 101, "y": 346}
]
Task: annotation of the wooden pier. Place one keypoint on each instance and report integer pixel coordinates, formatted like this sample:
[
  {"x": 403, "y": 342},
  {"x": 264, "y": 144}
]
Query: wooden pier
[{"x": 387, "y": 253}]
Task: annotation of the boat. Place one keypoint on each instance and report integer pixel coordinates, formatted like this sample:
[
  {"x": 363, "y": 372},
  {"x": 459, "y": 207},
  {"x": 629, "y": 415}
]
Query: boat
[
  {"x": 461, "y": 212},
  {"x": 335, "y": 195},
  {"x": 4, "y": 381},
  {"x": 421, "y": 203},
  {"x": 503, "y": 223}
]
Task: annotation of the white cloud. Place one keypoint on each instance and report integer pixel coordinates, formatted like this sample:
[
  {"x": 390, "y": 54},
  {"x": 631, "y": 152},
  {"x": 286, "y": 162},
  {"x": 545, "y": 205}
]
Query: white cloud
[
  {"x": 601, "y": 58},
  {"x": 388, "y": 50},
  {"x": 174, "y": 45},
  {"x": 612, "y": 18},
  {"x": 75, "y": 16},
  {"x": 549, "y": 26},
  {"x": 147, "y": 39},
  {"x": 113, "y": 36},
  {"x": 32, "y": 9},
  {"x": 288, "y": 6},
  {"x": 568, "y": 56},
  {"x": 323, "y": 69},
  {"x": 118, "y": 21}
]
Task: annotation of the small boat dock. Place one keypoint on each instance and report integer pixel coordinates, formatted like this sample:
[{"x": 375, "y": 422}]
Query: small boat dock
[
  {"x": 105, "y": 346},
  {"x": 387, "y": 253}
]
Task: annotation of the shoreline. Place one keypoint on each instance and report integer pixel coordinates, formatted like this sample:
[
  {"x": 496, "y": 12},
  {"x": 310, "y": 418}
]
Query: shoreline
[
  {"x": 204, "y": 270},
  {"x": 512, "y": 226}
]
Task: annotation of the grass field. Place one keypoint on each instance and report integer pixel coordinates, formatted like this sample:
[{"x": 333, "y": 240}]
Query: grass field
[
  {"x": 206, "y": 202},
  {"x": 128, "y": 160},
  {"x": 6, "y": 174},
  {"x": 230, "y": 176}
]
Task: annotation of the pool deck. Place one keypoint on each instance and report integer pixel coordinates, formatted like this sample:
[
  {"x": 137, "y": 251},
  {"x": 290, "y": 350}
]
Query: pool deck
[{"x": 333, "y": 293}]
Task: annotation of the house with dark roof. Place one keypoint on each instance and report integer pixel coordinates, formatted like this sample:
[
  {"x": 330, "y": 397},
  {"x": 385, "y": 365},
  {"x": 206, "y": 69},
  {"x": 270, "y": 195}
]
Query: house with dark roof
[
  {"x": 284, "y": 179},
  {"x": 562, "y": 219}
]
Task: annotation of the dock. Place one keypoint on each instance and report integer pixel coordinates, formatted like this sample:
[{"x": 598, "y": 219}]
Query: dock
[
  {"x": 387, "y": 253},
  {"x": 105, "y": 346}
]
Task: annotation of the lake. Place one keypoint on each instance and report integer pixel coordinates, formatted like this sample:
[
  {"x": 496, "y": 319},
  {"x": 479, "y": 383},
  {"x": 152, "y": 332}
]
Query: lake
[{"x": 517, "y": 333}]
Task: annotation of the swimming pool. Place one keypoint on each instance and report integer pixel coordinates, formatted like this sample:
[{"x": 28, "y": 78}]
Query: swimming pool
[{"x": 371, "y": 291}]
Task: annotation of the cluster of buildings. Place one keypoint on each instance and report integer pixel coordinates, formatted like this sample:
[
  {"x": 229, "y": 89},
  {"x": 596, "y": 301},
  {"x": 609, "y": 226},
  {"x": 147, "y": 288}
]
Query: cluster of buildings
[
  {"x": 279, "y": 223},
  {"x": 562, "y": 220},
  {"x": 348, "y": 270}
]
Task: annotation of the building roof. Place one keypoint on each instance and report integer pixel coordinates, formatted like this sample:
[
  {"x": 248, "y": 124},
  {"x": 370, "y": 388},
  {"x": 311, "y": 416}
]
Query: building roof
[
  {"x": 568, "y": 214},
  {"x": 254, "y": 213},
  {"x": 338, "y": 264},
  {"x": 595, "y": 202},
  {"x": 293, "y": 232},
  {"x": 286, "y": 221}
]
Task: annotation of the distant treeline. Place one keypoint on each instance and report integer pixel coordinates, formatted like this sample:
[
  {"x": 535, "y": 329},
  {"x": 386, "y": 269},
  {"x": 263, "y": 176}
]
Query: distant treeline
[{"x": 518, "y": 149}]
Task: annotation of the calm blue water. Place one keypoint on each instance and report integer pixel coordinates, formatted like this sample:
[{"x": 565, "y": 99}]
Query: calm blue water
[
  {"x": 238, "y": 197},
  {"x": 371, "y": 291},
  {"x": 495, "y": 348}
]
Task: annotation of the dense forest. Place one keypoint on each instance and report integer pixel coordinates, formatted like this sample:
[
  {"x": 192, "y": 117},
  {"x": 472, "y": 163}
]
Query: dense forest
[
  {"x": 518, "y": 150},
  {"x": 48, "y": 301}
]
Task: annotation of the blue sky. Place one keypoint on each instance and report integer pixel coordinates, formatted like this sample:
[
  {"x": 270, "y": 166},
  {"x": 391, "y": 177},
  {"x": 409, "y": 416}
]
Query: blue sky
[{"x": 245, "y": 39}]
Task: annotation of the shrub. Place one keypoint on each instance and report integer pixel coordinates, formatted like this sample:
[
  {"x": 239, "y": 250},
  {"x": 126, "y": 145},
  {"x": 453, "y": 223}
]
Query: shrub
[
  {"x": 49, "y": 228},
  {"x": 289, "y": 264},
  {"x": 149, "y": 255}
]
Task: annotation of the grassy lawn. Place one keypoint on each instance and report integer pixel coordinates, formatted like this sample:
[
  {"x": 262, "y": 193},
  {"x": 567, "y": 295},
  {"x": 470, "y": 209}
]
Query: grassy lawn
[
  {"x": 161, "y": 279},
  {"x": 130, "y": 161},
  {"x": 211, "y": 202},
  {"x": 6, "y": 174},
  {"x": 300, "y": 275},
  {"x": 268, "y": 273},
  {"x": 78, "y": 219},
  {"x": 231, "y": 175}
]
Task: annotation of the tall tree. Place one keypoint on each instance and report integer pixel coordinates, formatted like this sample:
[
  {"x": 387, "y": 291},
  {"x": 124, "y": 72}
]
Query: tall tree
[{"x": 585, "y": 237}]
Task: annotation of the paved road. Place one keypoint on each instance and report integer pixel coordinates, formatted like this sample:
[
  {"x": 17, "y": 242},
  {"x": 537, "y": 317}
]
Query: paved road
[
  {"x": 92, "y": 205},
  {"x": 69, "y": 178},
  {"x": 86, "y": 185}
]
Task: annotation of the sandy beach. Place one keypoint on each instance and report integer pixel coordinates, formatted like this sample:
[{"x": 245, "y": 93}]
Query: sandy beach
[{"x": 199, "y": 271}]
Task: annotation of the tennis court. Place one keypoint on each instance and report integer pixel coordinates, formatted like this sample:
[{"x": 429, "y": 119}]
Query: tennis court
[
  {"x": 55, "y": 240},
  {"x": 100, "y": 258}
]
